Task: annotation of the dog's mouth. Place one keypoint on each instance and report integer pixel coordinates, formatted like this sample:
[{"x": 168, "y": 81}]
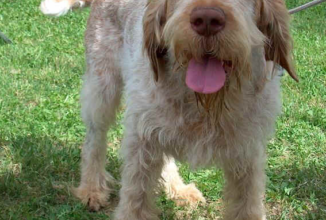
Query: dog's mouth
[{"x": 207, "y": 75}]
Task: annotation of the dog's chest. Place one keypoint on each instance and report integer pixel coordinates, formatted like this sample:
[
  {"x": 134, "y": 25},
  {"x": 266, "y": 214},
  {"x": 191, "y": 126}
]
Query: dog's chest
[
  {"x": 174, "y": 122},
  {"x": 182, "y": 130}
]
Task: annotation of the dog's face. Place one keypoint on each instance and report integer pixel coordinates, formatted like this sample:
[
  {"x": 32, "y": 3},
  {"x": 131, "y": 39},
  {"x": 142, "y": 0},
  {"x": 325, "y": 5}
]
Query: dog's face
[{"x": 213, "y": 39}]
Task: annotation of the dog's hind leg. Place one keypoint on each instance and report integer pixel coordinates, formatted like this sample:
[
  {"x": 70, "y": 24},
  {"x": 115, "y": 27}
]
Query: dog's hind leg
[
  {"x": 175, "y": 188},
  {"x": 100, "y": 99}
]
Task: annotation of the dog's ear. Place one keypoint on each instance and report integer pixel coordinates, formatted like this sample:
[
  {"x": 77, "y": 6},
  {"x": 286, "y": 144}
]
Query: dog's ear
[
  {"x": 153, "y": 23},
  {"x": 273, "y": 20}
]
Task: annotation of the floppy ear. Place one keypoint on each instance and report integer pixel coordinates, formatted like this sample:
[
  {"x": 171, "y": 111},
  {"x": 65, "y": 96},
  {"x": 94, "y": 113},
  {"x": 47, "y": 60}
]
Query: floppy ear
[
  {"x": 273, "y": 20},
  {"x": 153, "y": 22}
]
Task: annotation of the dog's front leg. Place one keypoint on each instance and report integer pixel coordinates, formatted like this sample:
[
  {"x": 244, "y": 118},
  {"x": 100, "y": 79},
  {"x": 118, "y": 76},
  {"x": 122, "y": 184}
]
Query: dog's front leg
[
  {"x": 140, "y": 177},
  {"x": 100, "y": 100},
  {"x": 245, "y": 186}
]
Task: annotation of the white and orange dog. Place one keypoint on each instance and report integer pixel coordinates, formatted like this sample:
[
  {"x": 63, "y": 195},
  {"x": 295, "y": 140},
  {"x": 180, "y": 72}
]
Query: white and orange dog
[
  {"x": 62, "y": 7},
  {"x": 200, "y": 87}
]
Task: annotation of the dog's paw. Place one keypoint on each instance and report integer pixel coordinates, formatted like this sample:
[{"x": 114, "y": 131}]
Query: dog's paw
[
  {"x": 94, "y": 199},
  {"x": 188, "y": 195},
  {"x": 245, "y": 213},
  {"x": 128, "y": 214}
]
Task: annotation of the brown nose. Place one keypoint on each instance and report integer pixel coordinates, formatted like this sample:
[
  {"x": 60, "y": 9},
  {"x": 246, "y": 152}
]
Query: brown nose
[{"x": 207, "y": 21}]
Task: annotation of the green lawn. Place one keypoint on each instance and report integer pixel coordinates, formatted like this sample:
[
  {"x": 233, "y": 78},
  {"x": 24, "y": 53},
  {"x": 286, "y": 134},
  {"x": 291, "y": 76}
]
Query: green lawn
[{"x": 41, "y": 130}]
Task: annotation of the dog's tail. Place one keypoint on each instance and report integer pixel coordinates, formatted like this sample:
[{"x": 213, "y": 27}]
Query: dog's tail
[{"x": 61, "y": 7}]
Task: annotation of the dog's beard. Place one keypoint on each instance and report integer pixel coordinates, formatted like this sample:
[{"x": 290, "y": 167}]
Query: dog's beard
[{"x": 235, "y": 59}]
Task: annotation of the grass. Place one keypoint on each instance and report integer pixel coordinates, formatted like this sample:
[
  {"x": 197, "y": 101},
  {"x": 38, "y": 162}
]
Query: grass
[{"x": 41, "y": 131}]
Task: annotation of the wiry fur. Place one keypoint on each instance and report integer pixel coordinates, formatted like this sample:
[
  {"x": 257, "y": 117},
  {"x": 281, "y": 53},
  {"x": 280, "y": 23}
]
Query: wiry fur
[{"x": 144, "y": 47}]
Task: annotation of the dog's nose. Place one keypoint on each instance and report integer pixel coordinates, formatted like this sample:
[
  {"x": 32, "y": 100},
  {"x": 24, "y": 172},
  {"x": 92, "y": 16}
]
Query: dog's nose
[{"x": 207, "y": 21}]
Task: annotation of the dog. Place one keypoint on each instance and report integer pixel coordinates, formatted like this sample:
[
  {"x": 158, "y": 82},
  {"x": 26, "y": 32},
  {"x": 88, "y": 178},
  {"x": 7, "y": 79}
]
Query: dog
[
  {"x": 61, "y": 7},
  {"x": 201, "y": 87}
]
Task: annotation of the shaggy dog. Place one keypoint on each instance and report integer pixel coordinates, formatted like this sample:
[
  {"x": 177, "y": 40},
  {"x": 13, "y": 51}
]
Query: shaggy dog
[
  {"x": 200, "y": 87},
  {"x": 61, "y": 7}
]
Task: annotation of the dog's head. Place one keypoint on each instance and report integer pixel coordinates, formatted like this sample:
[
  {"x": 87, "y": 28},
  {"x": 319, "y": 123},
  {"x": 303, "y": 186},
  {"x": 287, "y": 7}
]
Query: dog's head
[{"x": 213, "y": 39}]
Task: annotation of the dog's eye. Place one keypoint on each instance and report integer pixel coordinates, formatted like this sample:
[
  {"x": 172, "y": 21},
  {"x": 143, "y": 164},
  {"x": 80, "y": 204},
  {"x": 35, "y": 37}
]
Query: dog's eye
[
  {"x": 162, "y": 21},
  {"x": 161, "y": 52}
]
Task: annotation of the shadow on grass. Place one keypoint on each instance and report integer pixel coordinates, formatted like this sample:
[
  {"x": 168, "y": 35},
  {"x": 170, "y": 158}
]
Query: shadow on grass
[
  {"x": 37, "y": 173},
  {"x": 315, "y": 120},
  {"x": 36, "y": 179},
  {"x": 297, "y": 193}
]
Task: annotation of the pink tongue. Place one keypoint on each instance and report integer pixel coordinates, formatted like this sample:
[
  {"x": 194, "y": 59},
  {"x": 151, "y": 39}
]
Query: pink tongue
[{"x": 205, "y": 77}]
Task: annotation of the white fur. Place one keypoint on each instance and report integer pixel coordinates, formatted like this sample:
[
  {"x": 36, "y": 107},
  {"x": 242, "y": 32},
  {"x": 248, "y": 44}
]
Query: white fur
[
  {"x": 58, "y": 8},
  {"x": 163, "y": 120}
]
